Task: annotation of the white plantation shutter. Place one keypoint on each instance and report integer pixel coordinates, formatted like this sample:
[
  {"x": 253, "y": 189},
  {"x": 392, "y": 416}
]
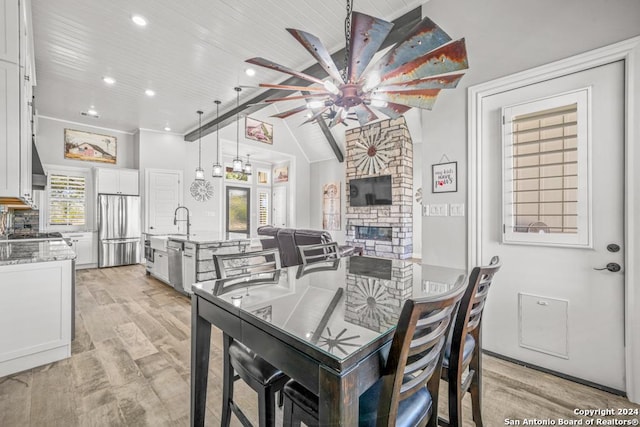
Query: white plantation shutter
[
  {"x": 67, "y": 198},
  {"x": 263, "y": 208}
]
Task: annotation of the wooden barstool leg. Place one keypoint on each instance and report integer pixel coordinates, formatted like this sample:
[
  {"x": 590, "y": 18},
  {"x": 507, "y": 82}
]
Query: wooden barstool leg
[{"x": 227, "y": 386}]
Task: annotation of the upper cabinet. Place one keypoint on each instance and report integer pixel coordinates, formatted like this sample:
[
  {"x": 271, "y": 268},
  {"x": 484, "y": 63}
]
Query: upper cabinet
[
  {"x": 17, "y": 78},
  {"x": 117, "y": 181}
]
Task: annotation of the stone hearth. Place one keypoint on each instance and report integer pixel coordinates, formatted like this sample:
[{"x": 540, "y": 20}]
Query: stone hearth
[{"x": 397, "y": 157}]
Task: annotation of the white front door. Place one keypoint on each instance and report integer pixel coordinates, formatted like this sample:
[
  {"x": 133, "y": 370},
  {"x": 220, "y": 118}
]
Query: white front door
[
  {"x": 164, "y": 195},
  {"x": 548, "y": 305},
  {"x": 280, "y": 206}
]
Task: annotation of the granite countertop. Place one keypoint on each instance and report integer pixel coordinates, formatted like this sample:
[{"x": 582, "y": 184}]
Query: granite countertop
[
  {"x": 30, "y": 251},
  {"x": 205, "y": 238}
]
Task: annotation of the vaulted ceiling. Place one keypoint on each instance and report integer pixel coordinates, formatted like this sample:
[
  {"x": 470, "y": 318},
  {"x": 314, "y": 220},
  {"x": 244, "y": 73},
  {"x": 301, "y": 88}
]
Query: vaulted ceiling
[{"x": 190, "y": 53}]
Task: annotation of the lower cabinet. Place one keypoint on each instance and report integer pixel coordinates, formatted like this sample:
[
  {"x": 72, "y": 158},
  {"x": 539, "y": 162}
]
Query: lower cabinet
[
  {"x": 161, "y": 265},
  {"x": 35, "y": 311},
  {"x": 85, "y": 247}
]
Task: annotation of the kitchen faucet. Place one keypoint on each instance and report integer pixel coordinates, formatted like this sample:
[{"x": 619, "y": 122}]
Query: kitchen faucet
[{"x": 175, "y": 217}]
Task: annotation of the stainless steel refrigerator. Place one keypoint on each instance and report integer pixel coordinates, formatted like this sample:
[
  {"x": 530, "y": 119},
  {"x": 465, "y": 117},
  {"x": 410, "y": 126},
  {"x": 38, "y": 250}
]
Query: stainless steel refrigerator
[{"x": 118, "y": 230}]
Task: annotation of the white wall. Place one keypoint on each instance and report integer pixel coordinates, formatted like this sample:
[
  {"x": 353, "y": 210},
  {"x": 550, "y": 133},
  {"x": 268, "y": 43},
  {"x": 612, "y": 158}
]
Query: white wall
[
  {"x": 322, "y": 173},
  {"x": 50, "y": 143},
  {"x": 503, "y": 37}
]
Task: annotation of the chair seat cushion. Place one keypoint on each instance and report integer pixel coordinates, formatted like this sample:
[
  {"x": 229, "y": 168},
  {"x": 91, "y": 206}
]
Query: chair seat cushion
[
  {"x": 410, "y": 411},
  {"x": 469, "y": 345},
  {"x": 246, "y": 363}
]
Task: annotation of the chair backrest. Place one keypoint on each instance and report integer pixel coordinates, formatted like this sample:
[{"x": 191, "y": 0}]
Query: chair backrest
[
  {"x": 417, "y": 349},
  {"x": 241, "y": 269},
  {"x": 469, "y": 317},
  {"x": 324, "y": 256}
]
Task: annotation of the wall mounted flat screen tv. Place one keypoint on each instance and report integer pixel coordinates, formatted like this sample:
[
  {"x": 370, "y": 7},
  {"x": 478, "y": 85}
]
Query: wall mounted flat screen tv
[{"x": 370, "y": 191}]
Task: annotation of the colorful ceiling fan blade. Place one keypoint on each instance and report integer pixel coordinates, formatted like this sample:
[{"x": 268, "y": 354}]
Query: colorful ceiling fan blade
[
  {"x": 293, "y": 98},
  {"x": 315, "y": 116},
  {"x": 291, "y": 112},
  {"x": 364, "y": 114},
  {"x": 294, "y": 88},
  {"x": 424, "y": 98},
  {"x": 315, "y": 47},
  {"x": 441, "y": 82},
  {"x": 445, "y": 59},
  {"x": 367, "y": 35},
  {"x": 393, "y": 110},
  {"x": 261, "y": 62},
  {"x": 424, "y": 37}
]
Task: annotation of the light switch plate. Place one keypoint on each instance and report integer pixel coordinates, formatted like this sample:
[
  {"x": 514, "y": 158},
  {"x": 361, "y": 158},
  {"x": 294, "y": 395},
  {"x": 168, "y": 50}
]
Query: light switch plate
[
  {"x": 439, "y": 210},
  {"x": 425, "y": 210},
  {"x": 456, "y": 209}
]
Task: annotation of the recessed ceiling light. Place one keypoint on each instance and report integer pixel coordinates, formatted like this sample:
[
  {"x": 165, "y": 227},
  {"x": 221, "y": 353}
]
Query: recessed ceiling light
[
  {"x": 149, "y": 92},
  {"x": 108, "y": 80},
  {"x": 250, "y": 72},
  {"x": 92, "y": 112},
  {"x": 139, "y": 20},
  {"x": 167, "y": 129}
]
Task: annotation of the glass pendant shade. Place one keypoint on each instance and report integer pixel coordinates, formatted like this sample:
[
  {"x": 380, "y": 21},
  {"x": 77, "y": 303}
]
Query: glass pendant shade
[
  {"x": 247, "y": 167},
  {"x": 237, "y": 165},
  {"x": 216, "y": 169},
  {"x": 199, "y": 174}
]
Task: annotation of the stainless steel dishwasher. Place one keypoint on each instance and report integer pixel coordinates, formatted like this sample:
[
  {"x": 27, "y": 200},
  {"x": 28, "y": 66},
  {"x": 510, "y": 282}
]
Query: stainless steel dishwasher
[{"x": 174, "y": 249}]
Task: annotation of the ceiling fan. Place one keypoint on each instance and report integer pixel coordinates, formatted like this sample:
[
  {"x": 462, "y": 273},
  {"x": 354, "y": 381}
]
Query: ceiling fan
[{"x": 410, "y": 74}]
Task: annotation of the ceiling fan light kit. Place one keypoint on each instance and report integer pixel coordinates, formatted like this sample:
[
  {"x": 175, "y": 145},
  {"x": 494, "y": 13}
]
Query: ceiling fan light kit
[{"x": 411, "y": 74}]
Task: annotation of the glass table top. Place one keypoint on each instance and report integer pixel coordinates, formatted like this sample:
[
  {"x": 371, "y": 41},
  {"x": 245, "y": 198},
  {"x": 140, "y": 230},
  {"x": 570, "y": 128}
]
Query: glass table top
[{"x": 336, "y": 307}]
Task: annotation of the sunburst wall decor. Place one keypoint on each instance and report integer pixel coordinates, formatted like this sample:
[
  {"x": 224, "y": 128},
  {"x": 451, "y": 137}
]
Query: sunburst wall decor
[{"x": 371, "y": 152}]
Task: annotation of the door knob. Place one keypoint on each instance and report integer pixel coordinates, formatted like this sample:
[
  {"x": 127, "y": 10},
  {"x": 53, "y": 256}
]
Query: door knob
[{"x": 612, "y": 266}]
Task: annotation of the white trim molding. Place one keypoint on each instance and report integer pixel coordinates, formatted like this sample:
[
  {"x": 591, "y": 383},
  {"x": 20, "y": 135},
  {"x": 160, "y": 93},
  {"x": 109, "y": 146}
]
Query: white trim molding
[{"x": 629, "y": 52}]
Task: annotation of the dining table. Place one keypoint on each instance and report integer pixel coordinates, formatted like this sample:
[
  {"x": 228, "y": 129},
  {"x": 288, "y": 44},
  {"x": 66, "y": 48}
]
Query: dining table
[{"x": 327, "y": 325}]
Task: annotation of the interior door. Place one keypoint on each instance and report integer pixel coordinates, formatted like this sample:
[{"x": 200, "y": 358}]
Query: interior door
[
  {"x": 280, "y": 206},
  {"x": 238, "y": 212},
  {"x": 164, "y": 195},
  {"x": 549, "y": 306}
]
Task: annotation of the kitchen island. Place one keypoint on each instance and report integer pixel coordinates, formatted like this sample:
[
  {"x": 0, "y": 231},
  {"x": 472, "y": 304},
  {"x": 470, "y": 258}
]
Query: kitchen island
[
  {"x": 36, "y": 308},
  {"x": 197, "y": 252}
]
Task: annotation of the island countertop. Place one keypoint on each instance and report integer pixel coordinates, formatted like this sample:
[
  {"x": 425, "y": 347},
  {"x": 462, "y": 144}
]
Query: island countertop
[
  {"x": 29, "y": 251},
  {"x": 206, "y": 238}
]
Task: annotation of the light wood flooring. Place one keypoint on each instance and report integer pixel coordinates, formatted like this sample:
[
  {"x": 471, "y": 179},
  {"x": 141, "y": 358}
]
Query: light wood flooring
[{"x": 130, "y": 367}]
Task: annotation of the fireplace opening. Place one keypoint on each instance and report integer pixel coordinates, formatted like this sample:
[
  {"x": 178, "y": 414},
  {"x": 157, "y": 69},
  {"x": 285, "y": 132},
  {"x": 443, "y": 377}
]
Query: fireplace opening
[{"x": 374, "y": 233}]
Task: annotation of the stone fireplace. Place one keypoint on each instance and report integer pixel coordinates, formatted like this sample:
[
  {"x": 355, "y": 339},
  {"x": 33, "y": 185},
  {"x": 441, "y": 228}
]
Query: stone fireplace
[{"x": 377, "y": 149}]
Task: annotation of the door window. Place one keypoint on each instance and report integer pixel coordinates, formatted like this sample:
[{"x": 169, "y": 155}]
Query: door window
[
  {"x": 546, "y": 171},
  {"x": 238, "y": 212}
]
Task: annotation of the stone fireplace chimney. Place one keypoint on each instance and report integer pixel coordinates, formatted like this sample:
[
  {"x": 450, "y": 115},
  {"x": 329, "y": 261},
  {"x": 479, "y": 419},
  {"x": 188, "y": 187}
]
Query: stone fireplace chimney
[{"x": 377, "y": 149}]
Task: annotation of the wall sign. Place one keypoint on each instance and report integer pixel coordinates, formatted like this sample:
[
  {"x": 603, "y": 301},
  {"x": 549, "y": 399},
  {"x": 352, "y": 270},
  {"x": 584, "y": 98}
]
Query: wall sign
[{"x": 445, "y": 177}]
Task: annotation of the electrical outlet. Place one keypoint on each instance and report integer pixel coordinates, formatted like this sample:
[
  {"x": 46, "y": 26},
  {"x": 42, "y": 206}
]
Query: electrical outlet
[{"x": 456, "y": 209}]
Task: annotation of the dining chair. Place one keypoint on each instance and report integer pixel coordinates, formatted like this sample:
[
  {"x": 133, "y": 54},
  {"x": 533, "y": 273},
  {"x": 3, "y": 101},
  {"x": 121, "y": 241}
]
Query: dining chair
[
  {"x": 318, "y": 257},
  {"x": 407, "y": 392},
  {"x": 464, "y": 347},
  {"x": 239, "y": 362}
]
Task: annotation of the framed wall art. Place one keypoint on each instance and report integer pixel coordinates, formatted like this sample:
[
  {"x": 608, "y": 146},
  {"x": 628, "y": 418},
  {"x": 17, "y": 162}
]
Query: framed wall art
[
  {"x": 88, "y": 146},
  {"x": 280, "y": 174},
  {"x": 331, "y": 206},
  {"x": 263, "y": 177},
  {"x": 258, "y": 131},
  {"x": 445, "y": 177}
]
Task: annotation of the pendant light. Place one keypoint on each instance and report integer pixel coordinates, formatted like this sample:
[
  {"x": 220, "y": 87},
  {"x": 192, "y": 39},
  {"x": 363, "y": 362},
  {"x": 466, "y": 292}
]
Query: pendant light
[
  {"x": 217, "y": 167},
  {"x": 247, "y": 166},
  {"x": 237, "y": 163},
  {"x": 199, "y": 170}
]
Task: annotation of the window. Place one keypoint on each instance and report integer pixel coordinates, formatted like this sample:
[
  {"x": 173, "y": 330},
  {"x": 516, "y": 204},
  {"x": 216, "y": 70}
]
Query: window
[
  {"x": 67, "y": 199},
  {"x": 545, "y": 176},
  {"x": 263, "y": 208}
]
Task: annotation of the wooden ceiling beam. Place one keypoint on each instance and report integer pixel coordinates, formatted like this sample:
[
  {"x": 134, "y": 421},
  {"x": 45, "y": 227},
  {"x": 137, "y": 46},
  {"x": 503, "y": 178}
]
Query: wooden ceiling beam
[{"x": 401, "y": 27}]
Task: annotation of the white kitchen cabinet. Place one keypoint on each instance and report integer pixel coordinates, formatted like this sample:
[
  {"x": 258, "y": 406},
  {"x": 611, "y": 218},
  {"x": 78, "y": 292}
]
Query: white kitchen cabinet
[
  {"x": 35, "y": 311},
  {"x": 17, "y": 77},
  {"x": 9, "y": 40},
  {"x": 161, "y": 266},
  {"x": 83, "y": 244},
  {"x": 117, "y": 181}
]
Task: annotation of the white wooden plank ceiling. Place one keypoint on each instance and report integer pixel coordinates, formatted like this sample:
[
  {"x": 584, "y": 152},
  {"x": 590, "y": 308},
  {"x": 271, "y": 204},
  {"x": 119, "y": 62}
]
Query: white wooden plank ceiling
[{"x": 190, "y": 53}]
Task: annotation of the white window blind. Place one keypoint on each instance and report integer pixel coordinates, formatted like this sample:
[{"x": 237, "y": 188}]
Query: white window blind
[
  {"x": 67, "y": 199},
  {"x": 263, "y": 208},
  {"x": 545, "y": 176}
]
